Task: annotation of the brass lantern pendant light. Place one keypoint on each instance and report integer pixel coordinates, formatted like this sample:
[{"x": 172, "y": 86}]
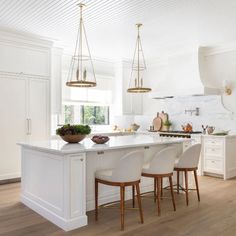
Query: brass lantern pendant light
[
  {"x": 138, "y": 66},
  {"x": 81, "y": 72}
]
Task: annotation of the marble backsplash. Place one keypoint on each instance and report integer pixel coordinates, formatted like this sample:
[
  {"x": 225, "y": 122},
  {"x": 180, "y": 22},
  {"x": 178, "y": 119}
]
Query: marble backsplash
[{"x": 211, "y": 112}]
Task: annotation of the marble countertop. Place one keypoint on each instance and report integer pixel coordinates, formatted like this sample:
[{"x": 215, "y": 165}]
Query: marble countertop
[{"x": 87, "y": 145}]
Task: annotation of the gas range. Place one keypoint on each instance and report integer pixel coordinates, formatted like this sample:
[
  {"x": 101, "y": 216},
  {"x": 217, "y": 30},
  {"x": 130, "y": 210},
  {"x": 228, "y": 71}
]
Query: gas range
[{"x": 178, "y": 133}]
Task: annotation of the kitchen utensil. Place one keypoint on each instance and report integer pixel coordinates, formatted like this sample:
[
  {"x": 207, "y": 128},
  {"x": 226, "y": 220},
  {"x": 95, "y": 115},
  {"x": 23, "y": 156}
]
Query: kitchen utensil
[
  {"x": 187, "y": 128},
  {"x": 157, "y": 123},
  {"x": 134, "y": 127},
  {"x": 210, "y": 129},
  {"x": 204, "y": 129}
]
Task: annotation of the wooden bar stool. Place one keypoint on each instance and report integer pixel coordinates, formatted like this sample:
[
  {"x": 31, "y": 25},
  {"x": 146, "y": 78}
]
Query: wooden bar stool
[
  {"x": 127, "y": 173},
  {"x": 162, "y": 165},
  {"x": 188, "y": 162}
]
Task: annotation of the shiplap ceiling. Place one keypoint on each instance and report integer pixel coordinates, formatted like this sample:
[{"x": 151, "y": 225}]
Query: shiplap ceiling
[{"x": 110, "y": 23}]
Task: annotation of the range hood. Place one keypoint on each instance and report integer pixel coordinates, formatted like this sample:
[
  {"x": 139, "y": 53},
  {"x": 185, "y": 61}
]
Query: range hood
[{"x": 186, "y": 75}]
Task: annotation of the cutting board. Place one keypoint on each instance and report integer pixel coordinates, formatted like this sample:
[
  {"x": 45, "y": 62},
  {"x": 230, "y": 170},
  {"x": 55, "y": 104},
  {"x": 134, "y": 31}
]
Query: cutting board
[
  {"x": 164, "y": 117},
  {"x": 157, "y": 123}
]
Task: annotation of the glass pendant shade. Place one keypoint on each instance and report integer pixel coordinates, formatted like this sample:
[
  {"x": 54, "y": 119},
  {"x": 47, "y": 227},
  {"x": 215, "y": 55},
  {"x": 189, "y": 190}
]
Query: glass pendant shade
[
  {"x": 81, "y": 72},
  {"x": 136, "y": 84}
]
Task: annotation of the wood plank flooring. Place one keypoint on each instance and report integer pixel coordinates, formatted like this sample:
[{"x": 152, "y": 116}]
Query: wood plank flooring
[{"x": 214, "y": 216}]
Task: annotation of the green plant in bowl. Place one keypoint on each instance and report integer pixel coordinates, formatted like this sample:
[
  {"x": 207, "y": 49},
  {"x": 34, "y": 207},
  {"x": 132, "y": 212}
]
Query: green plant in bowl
[{"x": 73, "y": 133}]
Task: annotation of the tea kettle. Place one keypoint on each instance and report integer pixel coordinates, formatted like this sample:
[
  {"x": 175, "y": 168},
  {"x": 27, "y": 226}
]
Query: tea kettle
[{"x": 187, "y": 128}]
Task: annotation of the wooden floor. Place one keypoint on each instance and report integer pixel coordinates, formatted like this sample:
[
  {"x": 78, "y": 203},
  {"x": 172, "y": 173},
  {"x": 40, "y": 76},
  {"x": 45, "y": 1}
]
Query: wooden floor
[{"x": 215, "y": 215}]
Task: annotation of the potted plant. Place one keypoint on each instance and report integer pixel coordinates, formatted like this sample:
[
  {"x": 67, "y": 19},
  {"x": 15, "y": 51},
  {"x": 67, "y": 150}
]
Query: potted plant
[
  {"x": 73, "y": 133},
  {"x": 166, "y": 125}
]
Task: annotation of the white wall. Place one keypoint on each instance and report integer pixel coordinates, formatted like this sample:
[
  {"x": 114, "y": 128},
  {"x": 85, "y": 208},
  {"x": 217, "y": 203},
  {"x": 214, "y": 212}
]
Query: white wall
[{"x": 221, "y": 65}]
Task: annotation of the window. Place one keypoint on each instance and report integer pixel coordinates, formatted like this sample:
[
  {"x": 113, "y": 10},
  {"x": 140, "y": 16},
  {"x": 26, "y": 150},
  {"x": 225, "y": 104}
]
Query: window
[{"x": 85, "y": 114}]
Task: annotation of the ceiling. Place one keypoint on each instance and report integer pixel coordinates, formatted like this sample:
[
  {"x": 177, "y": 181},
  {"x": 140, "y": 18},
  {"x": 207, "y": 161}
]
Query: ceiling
[{"x": 110, "y": 24}]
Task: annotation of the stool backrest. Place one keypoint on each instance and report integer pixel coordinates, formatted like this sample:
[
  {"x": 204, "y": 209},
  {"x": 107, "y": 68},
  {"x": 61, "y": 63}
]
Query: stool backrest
[
  {"x": 163, "y": 162},
  {"x": 129, "y": 167},
  {"x": 190, "y": 158}
]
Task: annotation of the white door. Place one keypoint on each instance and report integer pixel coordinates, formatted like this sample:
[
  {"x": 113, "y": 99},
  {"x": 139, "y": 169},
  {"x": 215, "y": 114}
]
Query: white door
[
  {"x": 38, "y": 112},
  {"x": 12, "y": 124}
]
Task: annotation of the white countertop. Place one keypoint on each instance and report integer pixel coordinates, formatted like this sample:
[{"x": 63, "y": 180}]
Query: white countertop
[{"x": 115, "y": 142}]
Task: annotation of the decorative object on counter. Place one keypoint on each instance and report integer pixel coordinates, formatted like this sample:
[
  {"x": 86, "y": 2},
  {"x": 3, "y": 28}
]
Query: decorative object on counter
[
  {"x": 164, "y": 117},
  {"x": 157, "y": 122},
  {"x": 221, "y": 132},
  {"x": 226, "y": 87},
  {"x": 204, "y": 129},
  {"x": 138, "y": 66},
  {"x": 100, "y": 139},
  {"x": 191, "y": 111},
  {"x": 187, "y": 128},
  {"x": 210, "y": 129},
  {"x": 81, "y": 72},
  {"x": 134, "y": 127},
  {"x": 73, "y": 133},
  {"x": 166, "y": 125}
]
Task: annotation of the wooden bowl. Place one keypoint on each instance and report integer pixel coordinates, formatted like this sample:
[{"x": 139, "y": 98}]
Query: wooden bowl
[
  {"x": 76, "y": 138},
  {"x": 100, "y": 140}
]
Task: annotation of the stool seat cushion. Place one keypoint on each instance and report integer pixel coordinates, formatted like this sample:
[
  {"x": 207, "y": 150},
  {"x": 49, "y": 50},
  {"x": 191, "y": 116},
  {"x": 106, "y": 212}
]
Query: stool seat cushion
[
  {"x": 162, "y": 162},
  {"x": 105, "y": 174},
  {"x": 189, "y": 158}
]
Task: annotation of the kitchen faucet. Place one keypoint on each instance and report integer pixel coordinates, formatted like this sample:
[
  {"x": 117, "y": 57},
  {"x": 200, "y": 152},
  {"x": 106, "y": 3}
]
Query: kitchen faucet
[{"x": 191, "y": 111}]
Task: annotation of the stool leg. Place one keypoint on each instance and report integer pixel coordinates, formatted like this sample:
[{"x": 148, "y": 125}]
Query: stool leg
[
  {"x": 177, "y": 181},
  {"x": 196, "y": 182},
  {"x": 122, "y": 206},
  {"x": 161, "y": 188},
  {"x": 155, "y": 190},
  {"x": 172, "y": 192},
  {"x": 158, "y": 196},
  {"x": 139, "y": 202},
  {"x": 133, "y": 196},
  {"x": 186, "y": 185},
  {"x": 96, "y": 199}
]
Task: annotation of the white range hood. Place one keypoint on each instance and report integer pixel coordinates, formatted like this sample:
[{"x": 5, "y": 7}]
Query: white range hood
[{"x": 186, "y": 75}]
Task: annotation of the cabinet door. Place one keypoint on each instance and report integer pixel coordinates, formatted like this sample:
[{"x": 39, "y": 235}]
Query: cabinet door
[
  {"x": 12, "y": 124},
  {"x": 38, "y": 111},
  {"x": 29, "y": 60}
]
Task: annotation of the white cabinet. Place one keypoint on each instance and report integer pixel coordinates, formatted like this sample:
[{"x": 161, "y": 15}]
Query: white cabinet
[
  {"x": 219, "y": 155},
  {"x": 24, "y": 116},
  {"x": 12, "y": 124},
  {"x": 19, "y": 58}
]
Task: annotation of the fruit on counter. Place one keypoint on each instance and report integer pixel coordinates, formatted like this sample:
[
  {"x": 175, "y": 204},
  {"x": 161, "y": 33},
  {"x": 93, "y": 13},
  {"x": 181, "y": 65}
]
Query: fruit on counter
[{"x": 100, "y": 139}]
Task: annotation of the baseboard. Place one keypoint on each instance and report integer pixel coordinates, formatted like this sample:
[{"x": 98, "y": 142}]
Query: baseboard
[
  {"x": 65, "y": 224},
  {"x": 10, "y": 176},
  {"x": 10, "y": 181}
]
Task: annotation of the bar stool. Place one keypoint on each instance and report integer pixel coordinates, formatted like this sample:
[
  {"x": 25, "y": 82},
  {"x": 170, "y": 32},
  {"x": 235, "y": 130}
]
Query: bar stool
[
  {"x": 127, "y": 173},
  {"x": 187, "y": 162},
  {"x": 162, "y": 165}
]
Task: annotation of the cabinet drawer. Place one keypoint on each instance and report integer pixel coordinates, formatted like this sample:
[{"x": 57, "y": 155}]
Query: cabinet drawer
[
  {"x": 214, "y": 151},
  {"x": 214, "y": 142},
  {"x": 213, "y": 166}
]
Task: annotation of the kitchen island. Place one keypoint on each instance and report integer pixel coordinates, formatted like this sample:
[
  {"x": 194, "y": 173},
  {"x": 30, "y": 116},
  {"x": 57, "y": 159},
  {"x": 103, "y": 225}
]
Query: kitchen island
[{"x": 58, "y": 178}]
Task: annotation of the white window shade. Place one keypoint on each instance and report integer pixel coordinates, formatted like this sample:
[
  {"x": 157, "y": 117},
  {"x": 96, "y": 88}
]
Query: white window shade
[{"x": 101, "y": 94}]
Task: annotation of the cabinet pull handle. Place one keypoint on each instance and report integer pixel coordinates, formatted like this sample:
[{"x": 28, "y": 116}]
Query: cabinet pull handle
[
  {"x": 81, "y": 159},
  {"x": 100, "y": 152},
  {"x": 27, "y": 126},
  {"x": 146, "y": 147},
  {"x": 30, "y": 126}
]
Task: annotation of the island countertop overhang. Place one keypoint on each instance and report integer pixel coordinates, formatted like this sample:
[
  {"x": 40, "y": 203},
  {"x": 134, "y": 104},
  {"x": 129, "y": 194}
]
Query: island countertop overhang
[{"x": 58, "y": 146}]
